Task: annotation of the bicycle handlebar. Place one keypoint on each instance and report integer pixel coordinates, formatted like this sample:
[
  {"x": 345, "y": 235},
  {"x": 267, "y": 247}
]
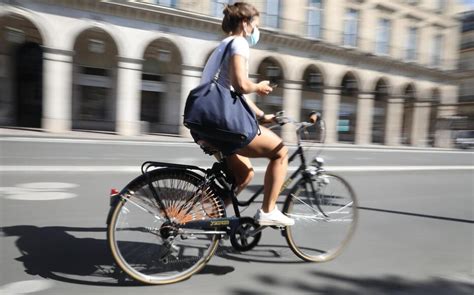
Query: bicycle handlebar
[{"x": 281, "y": 119}]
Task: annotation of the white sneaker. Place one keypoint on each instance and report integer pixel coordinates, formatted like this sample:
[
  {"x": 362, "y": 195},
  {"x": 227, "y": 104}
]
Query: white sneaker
[{"x": 274, "y": 217}]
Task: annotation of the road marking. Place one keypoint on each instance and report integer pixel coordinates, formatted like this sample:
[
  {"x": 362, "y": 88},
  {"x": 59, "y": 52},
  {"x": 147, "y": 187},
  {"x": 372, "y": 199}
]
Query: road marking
[
  {"x": 39, "y": 191},
  {"x": 25, "y": 287},
  {"x": 136, "y": 169},
  {"x": 377, "y": 149}
]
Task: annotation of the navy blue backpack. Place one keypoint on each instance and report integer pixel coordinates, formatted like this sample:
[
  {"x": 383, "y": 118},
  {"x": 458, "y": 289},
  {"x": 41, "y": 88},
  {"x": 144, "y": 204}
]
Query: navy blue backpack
[{"x": 214, "y": 111}]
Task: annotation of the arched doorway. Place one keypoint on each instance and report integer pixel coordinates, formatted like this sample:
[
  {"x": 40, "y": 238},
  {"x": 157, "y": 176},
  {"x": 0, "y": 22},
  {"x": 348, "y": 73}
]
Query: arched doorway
[
  {"x": 21, "y": 72},
  {"x": 312, "y": 97},
  {"x": 94, "y": 81},
  {"x": 271, "y": 70},
  {"x": 435, "y": 101},
  {"x": 408, "y": 111},
  {"x": 348, "y": 109},
  {"x": 380, "y": 112},
  {"x": 161, "y": 87}
]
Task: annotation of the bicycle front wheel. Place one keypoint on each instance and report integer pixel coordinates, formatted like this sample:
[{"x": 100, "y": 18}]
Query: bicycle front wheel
[
  {"x": 325, "y": 213},
  {"x": 152, "y": 249}
]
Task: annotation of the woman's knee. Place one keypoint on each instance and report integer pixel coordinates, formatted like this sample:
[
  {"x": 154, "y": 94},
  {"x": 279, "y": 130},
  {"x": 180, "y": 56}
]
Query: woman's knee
[{"x": 279, "y": 153}]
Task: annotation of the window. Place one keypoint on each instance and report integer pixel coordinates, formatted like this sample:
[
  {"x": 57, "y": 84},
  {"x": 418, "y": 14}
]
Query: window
[
  {"x": 351, "y": 27},
  {"x": 382, "y": 39},
  {"x": 272, "y": 19},
  {"x": 411, "y": 45},
  {"x": 437, "y": 50},
  {"x": 218, "y": 7},
  {"x": 169, "y": 3},
  {"x": 315, "y": 14}
]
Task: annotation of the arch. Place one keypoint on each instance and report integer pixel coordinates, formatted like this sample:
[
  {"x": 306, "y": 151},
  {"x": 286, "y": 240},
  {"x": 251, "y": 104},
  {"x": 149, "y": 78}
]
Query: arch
[
  {"x": 409, "y": 92},
  {"x": 94, "y": 80},
  {"x": 379, "y": 117},
  {"x": 350, "y": 84},
  {"x": 166, "y": 51},
  {"x": 36, "y": 20},
  {"x": 381, "y": 89},
  {"x": 350, "y": 88},
  {"x": 312, "y": 95},
  {"x": 161, "y": 84},
  {"x": 270, "y": 69},
  {"x": 109, "y": 29},
  {"x": 256, "y": 65},
  {"x": 22, "y": 41},
  {"x": 314, "y": 78}
]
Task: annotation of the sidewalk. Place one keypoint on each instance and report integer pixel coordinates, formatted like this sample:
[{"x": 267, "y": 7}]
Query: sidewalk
[
  {"x": 173, "y": 138},
  {"x": 97, "y": 135}
]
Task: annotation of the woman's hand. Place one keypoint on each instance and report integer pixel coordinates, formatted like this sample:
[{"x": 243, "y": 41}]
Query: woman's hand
[
  {"x": 266, "y": 119},
  {"x": 263, "y": 88}
]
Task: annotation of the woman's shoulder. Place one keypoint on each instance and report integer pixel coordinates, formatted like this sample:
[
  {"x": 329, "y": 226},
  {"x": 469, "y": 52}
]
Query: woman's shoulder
[{"x": 239, "y": 40}]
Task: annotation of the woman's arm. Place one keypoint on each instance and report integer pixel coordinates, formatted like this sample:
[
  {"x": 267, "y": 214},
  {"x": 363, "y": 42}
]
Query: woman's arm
[{"x": 239, "y": 80}]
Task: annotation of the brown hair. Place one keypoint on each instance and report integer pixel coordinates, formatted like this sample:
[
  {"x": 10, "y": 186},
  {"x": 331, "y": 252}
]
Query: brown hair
[{"x": 235, "y": 14}]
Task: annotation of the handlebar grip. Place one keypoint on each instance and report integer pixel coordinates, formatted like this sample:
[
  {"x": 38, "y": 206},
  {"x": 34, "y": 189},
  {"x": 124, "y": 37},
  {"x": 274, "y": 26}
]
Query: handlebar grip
[{"x": 314, "y": 117}]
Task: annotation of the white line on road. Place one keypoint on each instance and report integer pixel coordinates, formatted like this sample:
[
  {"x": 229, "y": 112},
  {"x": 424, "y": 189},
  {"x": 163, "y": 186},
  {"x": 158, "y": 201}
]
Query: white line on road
[
  {"x": 188, "y": 144},
  {"x": 136, "y": 169}
]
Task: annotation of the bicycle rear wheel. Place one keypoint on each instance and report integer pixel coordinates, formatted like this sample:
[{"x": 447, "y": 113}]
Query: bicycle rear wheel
[
  {"x": 151, "y": 249},
  {"x": 325, "y": 214}
]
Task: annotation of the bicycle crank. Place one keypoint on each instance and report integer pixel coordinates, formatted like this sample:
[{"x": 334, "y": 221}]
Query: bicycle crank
[{"x": 246, "y": 235}]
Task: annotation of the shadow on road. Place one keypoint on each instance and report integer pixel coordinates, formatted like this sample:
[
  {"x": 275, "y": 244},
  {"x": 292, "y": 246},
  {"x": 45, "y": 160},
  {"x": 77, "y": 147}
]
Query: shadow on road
[
  {"x": 331, "y": 283},
  {"x": 52, "y": 252}
]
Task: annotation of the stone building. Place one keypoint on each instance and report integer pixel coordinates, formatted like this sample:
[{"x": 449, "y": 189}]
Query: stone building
[
  {"x": 466, "y": 74},
  {"x": 380, "y": 71}
]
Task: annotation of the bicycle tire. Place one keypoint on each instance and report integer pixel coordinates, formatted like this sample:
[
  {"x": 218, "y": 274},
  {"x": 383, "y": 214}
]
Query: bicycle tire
[
  {"x": 317, "y": 236},
  {"x": 144, "y": 244}
]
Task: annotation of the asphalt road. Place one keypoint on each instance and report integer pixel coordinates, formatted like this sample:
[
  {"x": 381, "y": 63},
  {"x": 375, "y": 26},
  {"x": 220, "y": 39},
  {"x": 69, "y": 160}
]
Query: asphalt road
[{"x": 415, "y": 234}]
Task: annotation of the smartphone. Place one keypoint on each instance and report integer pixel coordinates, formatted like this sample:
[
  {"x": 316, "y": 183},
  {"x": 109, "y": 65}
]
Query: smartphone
[{"x": 273, "y": 85}]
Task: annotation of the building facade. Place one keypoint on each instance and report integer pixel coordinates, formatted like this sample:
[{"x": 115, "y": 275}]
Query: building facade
[
  {"x": 380, "y": 71},
  {"x": 465, "y": 113}
]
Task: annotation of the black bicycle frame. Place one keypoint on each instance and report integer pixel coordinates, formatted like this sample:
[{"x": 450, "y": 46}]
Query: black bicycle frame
[{"x": 236, "y": 203}]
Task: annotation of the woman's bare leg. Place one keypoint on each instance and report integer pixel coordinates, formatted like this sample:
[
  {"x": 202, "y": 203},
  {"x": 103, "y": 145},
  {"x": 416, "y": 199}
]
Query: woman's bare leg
[
  {"x": 270, "y": 146},
  {"x": 242, "y": 171}
]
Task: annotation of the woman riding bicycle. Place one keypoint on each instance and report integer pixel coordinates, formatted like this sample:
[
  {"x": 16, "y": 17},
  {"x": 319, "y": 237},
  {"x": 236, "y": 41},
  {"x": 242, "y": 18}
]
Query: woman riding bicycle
[{"x": 241, "y": 22}]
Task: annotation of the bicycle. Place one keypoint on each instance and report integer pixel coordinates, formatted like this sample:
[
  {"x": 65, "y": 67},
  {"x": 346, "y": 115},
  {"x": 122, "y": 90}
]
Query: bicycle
[{"x": 165, "y": 225}]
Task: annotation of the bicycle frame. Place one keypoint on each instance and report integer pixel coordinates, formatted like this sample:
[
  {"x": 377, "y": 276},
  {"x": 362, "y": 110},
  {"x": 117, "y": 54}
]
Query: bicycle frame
[{"x": 299, "y": 152}]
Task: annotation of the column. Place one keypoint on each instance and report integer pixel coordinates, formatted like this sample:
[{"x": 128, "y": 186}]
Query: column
[
  {"x": 191, "y": 77},
  {"x": 57, "y": 90},
  {"x": 393, "y": 128},
  {"x": 365, "y": 112},
  {"x": 292, "y": 93},
  {"x": 331, "y": 100},
  {"x": 420, "y": 125},
  {"x": 128, "y": 96}
]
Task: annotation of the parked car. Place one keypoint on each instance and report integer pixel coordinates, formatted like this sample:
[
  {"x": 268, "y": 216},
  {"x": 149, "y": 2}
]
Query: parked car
[{"x": 464, "y": 139}]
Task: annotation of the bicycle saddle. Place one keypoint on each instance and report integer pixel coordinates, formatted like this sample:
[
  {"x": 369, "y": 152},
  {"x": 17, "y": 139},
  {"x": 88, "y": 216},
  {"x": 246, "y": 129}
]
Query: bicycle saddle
[{"x": 207, "y": 147}]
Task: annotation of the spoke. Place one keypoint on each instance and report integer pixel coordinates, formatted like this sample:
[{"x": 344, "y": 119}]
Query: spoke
[{"x": 141, "y": 207}]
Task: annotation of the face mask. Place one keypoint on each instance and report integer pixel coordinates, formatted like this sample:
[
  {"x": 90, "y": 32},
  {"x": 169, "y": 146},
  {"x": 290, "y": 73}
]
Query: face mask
[{"x": 254, "y": 37}]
